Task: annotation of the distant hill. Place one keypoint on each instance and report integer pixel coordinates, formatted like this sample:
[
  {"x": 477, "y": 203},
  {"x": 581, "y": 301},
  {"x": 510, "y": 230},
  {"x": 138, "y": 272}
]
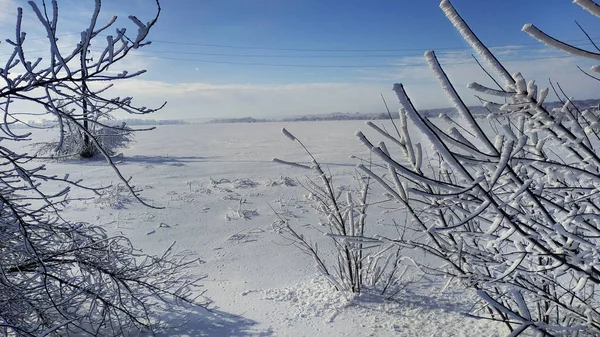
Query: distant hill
[
  {"x": 239, "y": 120},
  {"x": 339, "y": 116},
  {"x": 45, "y": 123}
]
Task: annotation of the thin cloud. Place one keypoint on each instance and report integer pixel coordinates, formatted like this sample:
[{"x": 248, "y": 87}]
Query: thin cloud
[
  {"x": 195, "y": 100},
  {"x": 8, "y": 12},
  {"x": 192, "y": 99}
]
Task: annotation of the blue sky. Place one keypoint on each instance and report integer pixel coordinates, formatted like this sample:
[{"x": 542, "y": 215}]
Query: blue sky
[{"x": 264, "y": 58}]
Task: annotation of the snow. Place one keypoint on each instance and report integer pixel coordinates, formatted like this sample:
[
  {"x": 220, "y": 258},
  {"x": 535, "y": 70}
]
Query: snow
[
  {"x": 473, "y": 40},
  {"x": 589, "y": 6},
  {"x": 456, "y": 99},
  {"x": 537, "y": 34},
  {"x": 219, "y": 186}
]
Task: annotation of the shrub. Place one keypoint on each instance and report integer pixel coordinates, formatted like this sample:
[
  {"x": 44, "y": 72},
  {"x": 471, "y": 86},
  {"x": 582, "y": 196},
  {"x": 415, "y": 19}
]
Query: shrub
[
  {"x": 354, "y": 266},
  {"x": 72, "y": 143},
  {"x": 512, "y": 214},
  {"x": 59, "y": 277}
]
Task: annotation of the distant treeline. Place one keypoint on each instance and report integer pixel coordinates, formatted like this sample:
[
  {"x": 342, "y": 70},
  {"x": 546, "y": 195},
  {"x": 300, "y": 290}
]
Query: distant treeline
[
  {"x": 337, "y": 116},
  {"x": 329, "y": 117},
  {"x": 131, "y": 121},
  {"x": 340, "y": 116},
  {"x": 240, "y": 120}
]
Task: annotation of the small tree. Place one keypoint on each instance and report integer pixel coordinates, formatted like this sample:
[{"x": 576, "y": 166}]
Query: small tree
[
  {"x": 73, "y": 83},
  {"x": 513, "y": 213},
  {"x": 59, "y": 277}
]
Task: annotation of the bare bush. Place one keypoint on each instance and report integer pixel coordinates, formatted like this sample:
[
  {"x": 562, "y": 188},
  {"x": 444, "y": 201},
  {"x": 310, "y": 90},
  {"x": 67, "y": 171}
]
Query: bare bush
[
  {"x": 68, "y": 278},
  {"x": 72, "y": 144},
  {"x": 513, "y": 213},
  {"x": 347, "y": 263}
]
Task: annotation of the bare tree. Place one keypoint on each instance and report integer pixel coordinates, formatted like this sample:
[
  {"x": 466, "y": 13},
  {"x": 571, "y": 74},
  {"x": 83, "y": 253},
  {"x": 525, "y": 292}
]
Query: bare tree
[
  {"x": 70, "y": 85},
  {"x": 59, "y": 277},
  {"x": 509, "y": 206}
]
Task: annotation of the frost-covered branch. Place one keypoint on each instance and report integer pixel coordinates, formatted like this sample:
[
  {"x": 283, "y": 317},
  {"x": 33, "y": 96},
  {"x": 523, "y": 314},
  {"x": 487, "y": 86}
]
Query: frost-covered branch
[
  {"x": 59, "y": 277},
  {"x": 518, "y": 219},
  {"x": 355, "y": 265}
]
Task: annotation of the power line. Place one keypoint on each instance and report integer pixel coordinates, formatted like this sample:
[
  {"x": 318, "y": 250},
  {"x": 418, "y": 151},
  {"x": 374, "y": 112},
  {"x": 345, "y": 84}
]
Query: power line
[
  {"x": 342, "y": 50},
  {"x": 150, "y": 53},
  {"x": 447, "y": 49},
  {"x": 290, "y": 65},
  {"x": 296, "y": 56},
  {"x": 336, "y": 65},
  {"x": 274, "y": 56}
]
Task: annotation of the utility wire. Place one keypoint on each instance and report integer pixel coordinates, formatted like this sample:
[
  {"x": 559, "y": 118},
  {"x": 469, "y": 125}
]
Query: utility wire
[
  {"x": 539, "y": 44},
  {"x": 447, "y": 49},
  {"x": 343, "y": 50},
  {"x": 395, "y": 65},
  {"x": 334, "y": 65},
  {"x": 151, "y": 54},
  {"x": 308, "y": 56}
]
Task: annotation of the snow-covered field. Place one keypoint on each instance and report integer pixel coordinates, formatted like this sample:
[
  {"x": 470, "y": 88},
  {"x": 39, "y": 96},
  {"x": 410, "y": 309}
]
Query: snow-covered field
[{"x": 219, "y": 187}]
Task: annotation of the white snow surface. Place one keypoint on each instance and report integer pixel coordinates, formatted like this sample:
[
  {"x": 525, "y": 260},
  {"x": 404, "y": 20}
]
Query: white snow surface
[{"x": 217, "y": 183}]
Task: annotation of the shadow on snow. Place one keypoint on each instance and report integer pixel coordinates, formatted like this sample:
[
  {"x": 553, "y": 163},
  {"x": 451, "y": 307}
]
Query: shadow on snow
[
  {"x": 164, "y": 160},
  {"x": 200, "y": 322}
]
